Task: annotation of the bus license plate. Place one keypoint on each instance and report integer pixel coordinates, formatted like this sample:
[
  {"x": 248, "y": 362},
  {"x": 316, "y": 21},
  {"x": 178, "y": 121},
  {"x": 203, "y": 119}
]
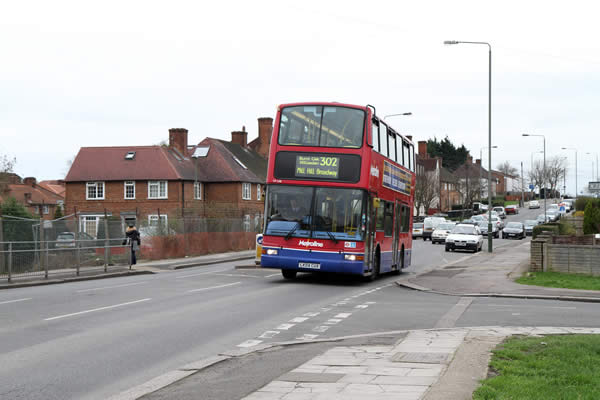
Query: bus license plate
[{"x": 309, "y": 265}]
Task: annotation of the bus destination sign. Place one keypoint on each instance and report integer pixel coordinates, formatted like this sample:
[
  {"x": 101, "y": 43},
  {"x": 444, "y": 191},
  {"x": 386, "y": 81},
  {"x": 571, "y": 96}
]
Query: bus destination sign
[
  {"x": 396, "y": 179},
  {"x": 308, "y": 166}
]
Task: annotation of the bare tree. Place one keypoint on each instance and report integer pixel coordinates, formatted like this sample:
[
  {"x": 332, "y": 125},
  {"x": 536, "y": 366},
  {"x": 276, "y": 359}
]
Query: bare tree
[
  {"x": 556, "y": 168},
  {"x": 426, "y": 190},
  {"x": 507, "y": 169},
  {"x": 536, "y": 175},
  {"x": 6, "y": 168}
]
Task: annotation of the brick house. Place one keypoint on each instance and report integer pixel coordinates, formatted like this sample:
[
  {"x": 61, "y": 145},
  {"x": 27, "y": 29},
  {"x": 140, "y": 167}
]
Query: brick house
[
  {"x": 150, "y": 183},
  {"x": 38, "y": 200},
  {"x": 446, "y": 187}
]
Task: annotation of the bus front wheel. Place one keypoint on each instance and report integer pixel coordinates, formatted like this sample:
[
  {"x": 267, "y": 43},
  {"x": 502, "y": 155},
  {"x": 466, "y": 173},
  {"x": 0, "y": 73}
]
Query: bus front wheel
[{"x": 288, "y": 273}]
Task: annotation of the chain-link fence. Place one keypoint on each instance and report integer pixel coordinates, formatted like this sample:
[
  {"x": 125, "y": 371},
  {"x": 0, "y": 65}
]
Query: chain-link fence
[{"x": 31, "y": 248}]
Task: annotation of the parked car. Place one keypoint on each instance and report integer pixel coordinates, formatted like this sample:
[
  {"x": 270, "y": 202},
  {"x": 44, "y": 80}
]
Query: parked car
[
  {"x": 529, "y": 225},
  {"x": 464, "y": 237},
  {"x": 417, "y": 230},
  {"x": 497, "y": 221},
  {"x": 500, "y": 211},
  {"x": 483, "y": 227},
  {"x": 553, "y": 214},
  {"x": 429, "y": 225},
  {"x": 542, "y": 219},
  {"x": 511, "y": 209},
  {"x": 441, "y": 232},
  {"x": 478, "y": 218},
  {"x": 534, "y": 204},
  {"x": 514, "y": 230},
  {"x": 66, "y": 240}
]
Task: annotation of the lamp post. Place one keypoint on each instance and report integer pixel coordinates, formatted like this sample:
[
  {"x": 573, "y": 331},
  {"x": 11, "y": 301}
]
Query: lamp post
[
  {"x": 543, "y": 173},
  {"x": 572, "y": 148},
  {"x": 481, "y": 160},
  {"x": 395, "y": 115},
  {"x": 450, "y": 42},
  {"x": 593, "y": 166}
]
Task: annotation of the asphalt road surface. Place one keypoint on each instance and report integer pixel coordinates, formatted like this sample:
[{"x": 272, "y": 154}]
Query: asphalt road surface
[{"x": 94, "y": 339}]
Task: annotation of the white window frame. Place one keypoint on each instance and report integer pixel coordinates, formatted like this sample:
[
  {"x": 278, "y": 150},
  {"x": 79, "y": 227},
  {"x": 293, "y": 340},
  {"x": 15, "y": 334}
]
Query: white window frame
[
  {"x": 258, "y": 191},
  {"x": 153, "y": 219},
  {"x": 246, "y": 223},
  {"x": 158, "y": 183},
  {"x": 89, "y": 218},
  {"x": 125, "y": 184},
  {"x": 96, "y": 185},
  {"x": 246, "y": 191},
  {"x": 197, "y": 190},
  {"x": 45, "y": 209}
]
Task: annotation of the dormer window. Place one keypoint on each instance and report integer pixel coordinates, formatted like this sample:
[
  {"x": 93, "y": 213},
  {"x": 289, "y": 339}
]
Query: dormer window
[{"x": 130, "y": 155}]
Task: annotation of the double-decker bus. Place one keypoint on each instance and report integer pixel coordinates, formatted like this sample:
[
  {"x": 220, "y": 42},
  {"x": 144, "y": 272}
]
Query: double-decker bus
[{"x": 340, "y": 192}]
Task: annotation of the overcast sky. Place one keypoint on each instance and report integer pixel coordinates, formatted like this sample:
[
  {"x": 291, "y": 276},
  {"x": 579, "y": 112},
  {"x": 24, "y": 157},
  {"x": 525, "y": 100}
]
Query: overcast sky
[{"x": 112, "y": 73}]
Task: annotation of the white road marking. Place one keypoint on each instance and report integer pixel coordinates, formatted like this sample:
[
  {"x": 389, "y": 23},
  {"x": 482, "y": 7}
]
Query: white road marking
[
  {"x": 240, "y": 275},
  {"x": 272, "y": 275},
  {"x": 202, "y": 273},
  {"x": 343, "y": 315},
  {"x": 298, "y": 320},
  {"x": 325, "y": 309},
  {"x": 311, "y": 314},
  {"x": 333, "y": 321},
  {"x": 250, "y": 343},
  {"x": 450, "y": 318},
  {"x": 321, "y": 328},
  {"x": 285, "y": 327},
  {"x": 111, "y": 287},
  {"x": 269, "y": 334},
  {"x": 565, "y": 308},
  {"x": 516, "y": 313},
  {"x": 213, "y": 287},
  {"x": 96, "y": 309},
  {"x": 15, "y": 301},
  {"x": 307, "y": 336},
  {"x": 371, "y": 302},
  {"x": 362, "y": 306}
]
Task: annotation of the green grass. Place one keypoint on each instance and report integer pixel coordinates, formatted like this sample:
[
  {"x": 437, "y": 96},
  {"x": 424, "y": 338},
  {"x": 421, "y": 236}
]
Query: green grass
[
  {"x": 560, "y": 280},
  {"x": 551, "y": 367},
  {"x": 510, "y": 202}
]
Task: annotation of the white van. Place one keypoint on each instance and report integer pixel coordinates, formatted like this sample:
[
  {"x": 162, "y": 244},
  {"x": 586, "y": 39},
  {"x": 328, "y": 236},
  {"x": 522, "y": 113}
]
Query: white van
[{"x": 429, "y": 225}]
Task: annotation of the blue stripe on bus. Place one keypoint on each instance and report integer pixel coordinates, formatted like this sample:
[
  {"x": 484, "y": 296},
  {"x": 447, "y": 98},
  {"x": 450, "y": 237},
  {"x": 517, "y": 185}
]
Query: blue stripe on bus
[{"x": 328, "y": 262}]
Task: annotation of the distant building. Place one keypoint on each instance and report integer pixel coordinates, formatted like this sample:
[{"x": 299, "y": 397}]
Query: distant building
[{"x": 35, "y": 198}]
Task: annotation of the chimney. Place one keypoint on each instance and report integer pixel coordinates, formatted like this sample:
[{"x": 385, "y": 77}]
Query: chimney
[
  {"x": 31, "y": 181},
  {"x": 478, "y": 162},
  {"x": 240, "y": 137},
  {"x": 265, "y": 130},
  {"x": 423, "y": 149},
  {"x": 469, "y": 159},
  {"x": 178, "y": 139}
]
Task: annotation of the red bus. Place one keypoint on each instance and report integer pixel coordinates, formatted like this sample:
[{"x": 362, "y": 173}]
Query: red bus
[{"x": 340, "y": 192}]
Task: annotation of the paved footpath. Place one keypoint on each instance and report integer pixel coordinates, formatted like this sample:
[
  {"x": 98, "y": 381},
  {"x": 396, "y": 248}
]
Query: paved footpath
[{"x": 424, "y": 364}]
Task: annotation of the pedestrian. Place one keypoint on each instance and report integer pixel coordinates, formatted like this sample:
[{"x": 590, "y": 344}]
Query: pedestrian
[{"x": 132, "y": 239}]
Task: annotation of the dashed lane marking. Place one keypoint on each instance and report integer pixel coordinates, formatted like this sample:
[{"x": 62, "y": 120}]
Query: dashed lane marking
[
  {"x": 96, "y": 309},
  {"x": 201, "y": 273},
  {"x": 250, "y": 343},
  {"x": 311, "y": 314},
  {"x": 362, "y": 306},
  {"x": 15, "y": 301},
  {"x": 332, "y": 321},
  {"x": 111, "y": 287},
  {"x": 307, "y": 336},
  {"x": 212, "y": 287},
  {"x": 285, "y": 327},
  {"x": 298, "y": 320},
  {"x": 269, "y": 334},
  {"x": 321, "y": 328},
  {"x": 272, "y": 275},
  {"x": 240, "y": 275},
  {"x": 343, "y": 315}
]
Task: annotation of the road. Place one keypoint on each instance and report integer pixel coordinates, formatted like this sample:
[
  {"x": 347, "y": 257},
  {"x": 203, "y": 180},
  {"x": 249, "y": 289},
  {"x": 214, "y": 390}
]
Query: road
[{"x": 94, "y": 339}]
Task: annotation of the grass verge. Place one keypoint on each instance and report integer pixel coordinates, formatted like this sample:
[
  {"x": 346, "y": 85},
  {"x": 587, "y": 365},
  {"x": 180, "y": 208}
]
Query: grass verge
[
  {"x": 550, "y": 367},
  {"x": 560, "y": 280}
]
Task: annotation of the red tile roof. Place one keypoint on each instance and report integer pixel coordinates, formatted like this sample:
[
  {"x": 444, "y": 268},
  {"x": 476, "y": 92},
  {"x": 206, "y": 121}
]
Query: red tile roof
[
  {"x": 55, "y": 186},
  {"x": 36, "y": 194}
]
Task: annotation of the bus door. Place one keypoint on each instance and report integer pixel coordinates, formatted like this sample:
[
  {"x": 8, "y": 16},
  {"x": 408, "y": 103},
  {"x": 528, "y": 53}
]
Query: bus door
[
  {"x": 397, "y": 258},
  {"x": 372, "y": 205}
]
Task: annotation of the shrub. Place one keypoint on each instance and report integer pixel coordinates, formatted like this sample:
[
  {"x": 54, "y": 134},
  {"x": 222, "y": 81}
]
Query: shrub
[
  {"x": 566, "y": 228},
  {"x": 553, "y": 228},
  {"x": 591, "y": 218},
  {"x": 582, "y": 202},
  {"x": 578, "y": 214}
]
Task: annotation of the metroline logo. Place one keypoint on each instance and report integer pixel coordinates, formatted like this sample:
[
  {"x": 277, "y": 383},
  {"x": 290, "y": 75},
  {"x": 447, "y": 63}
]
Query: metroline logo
[{"x": 308, "y": 243}]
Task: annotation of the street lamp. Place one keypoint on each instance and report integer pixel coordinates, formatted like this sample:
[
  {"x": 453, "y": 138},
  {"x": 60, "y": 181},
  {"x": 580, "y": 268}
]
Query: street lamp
[
  {"x": 596, "y": 166},
  {"x": 572, "y": 148},
  {"x": 450, "y": 42},
  {"x": 544, "y": 173},
  {"x": 481, "y": 161},
  {"x": 395, "y": 115}
]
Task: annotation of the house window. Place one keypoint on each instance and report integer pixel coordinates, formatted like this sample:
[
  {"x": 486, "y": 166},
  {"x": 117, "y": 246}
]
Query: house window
[
  {"x": 95, "y": 191},
  {"x": 247, "y": 223},
  {"x": 198, "y": 190},
  {"x": 258, "y": 191},
  {"x": 153, "y": 220},
  {"x": 157, "y": 190},
  {"x": 46, "y": 209},
  {"x": 129, "y": 189},
  {"x": 246, "y": 191},
  {"x": 89, "y": 225}
]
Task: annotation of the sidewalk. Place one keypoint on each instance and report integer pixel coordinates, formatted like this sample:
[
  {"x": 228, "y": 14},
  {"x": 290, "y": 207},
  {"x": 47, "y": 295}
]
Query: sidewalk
[
  {"x": 485, "y": 274},
  {"x": 144, "y": 267}
]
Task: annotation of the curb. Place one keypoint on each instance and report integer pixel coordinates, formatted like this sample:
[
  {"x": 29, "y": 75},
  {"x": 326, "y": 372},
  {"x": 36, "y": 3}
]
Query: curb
[
  {"x": 582, "y": 299},
  {"x": 74, "y": 279},
  {"x": 207, "y": 262}
]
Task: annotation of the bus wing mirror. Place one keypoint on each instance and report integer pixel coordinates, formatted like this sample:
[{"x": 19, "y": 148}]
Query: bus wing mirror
[{"x": 375, "y": 202}]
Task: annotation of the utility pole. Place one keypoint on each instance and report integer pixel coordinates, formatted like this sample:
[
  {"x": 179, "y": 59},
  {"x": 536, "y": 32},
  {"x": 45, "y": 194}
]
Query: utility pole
[{"x": 522, "y": 188}]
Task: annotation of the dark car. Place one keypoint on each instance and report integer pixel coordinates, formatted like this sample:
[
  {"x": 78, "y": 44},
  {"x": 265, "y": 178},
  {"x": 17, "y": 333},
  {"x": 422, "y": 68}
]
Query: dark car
[
  {"x": 514, "y": 230},
  {"x": 483, "y": 227}
]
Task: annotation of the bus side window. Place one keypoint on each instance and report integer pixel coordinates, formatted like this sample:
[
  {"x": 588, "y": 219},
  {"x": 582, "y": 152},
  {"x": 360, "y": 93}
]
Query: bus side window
[
  {"x": 380, "y": 217},
  {"x": 405, "y": 221},
  {"x": 383, "y": 137},
  {"x": 375, "y": 133},
  {"x": 406, "y": 162},
  {"x": 393, "y": 152},
  {"x": 388, "y": 219},
  {"x": 412, "y": 157}
]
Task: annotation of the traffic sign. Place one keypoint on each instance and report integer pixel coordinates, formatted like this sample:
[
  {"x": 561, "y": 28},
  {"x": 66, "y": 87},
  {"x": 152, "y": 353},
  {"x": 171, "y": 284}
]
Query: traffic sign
[
  {"x": 531, "y": 187},
  {"x": 594, "y": 186}
]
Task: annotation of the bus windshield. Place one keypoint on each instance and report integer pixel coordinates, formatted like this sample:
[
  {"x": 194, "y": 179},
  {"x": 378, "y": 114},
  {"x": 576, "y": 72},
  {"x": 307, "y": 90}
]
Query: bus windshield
[
  {"x": 322, "y": 126},
  {"x": 315, "y": 212}
]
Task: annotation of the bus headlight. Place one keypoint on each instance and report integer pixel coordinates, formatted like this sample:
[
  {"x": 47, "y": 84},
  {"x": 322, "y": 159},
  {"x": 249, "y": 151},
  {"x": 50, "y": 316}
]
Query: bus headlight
[
  {"x": 353, "y": 257},
  {"x": 272, "y": 252}
]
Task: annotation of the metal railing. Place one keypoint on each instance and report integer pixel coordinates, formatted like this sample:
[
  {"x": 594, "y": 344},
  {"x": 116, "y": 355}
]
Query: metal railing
[{"x": 25, "y": 259}]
